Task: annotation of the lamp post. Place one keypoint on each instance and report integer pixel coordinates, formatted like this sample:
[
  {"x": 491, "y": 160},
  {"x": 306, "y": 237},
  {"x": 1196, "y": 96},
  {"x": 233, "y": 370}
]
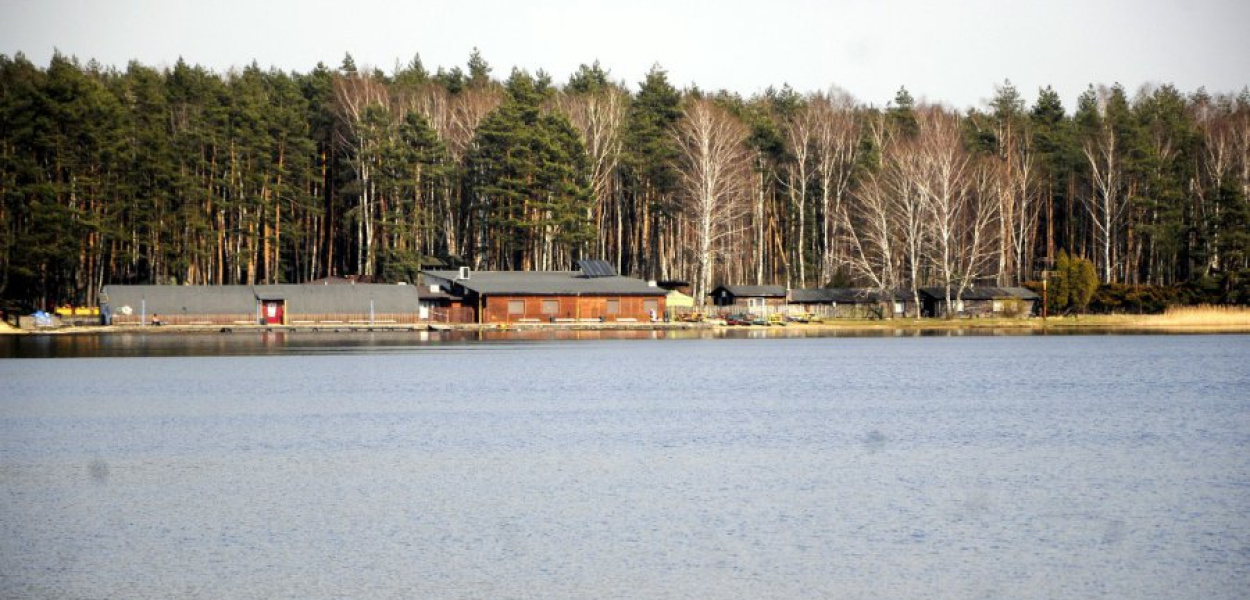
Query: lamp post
[
  {"x": 1045, "y": 265},
  {"x": 1045, "y": 299}
]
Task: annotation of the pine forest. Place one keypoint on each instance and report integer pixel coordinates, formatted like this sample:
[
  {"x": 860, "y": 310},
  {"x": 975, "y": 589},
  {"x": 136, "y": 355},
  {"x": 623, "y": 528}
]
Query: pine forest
[{"x": 182, "y": 175}]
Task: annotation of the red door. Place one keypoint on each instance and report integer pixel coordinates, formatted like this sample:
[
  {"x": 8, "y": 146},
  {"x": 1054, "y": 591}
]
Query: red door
[{"x": 273, "y": 312}]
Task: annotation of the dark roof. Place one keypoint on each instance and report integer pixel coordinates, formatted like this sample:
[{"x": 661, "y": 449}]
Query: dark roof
[
  {"x": 596, "y": 268},
  {"x": 831, "y": 295},
  {"x": 753, "y": 291},
  {"x": 984, "y": 293},
  {"x": 332, "y": 280},
  {"x": 358, "y": 298},
  {"x": 241, "y": 299},
  {"x": 431, "y": 290},
  {"x": 436, "y": 293},
  {"x": 846, "y": 296},
  {"x": 433, "y": 262},
  {"x": 545, "y": 283},
  {"x": 179, "y": 299}
]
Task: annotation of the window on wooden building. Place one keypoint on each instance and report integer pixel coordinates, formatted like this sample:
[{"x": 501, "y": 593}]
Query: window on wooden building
[
  {"x": 614, "y": 306},
  {"x": 551, "y": 307},
  {"x": 516, "y": 307}
]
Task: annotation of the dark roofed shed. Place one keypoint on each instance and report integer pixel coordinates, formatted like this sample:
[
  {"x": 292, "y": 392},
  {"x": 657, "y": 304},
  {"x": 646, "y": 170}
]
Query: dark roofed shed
[{"x": 130, "y": 303}]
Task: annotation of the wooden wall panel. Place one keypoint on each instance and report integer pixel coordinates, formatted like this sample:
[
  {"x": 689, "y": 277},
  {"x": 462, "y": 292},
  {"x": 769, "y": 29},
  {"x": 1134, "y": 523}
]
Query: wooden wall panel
[{"x": 576, "y": 308}]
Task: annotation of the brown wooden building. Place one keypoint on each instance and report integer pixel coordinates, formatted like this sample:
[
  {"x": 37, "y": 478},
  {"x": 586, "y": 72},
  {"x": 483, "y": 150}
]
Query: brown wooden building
[{"x": 595, "y": 293}]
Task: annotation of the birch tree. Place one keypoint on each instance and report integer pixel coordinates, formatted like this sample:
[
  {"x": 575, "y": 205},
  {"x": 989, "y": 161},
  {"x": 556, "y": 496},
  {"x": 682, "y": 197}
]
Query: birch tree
[
  {"x": 1015, "y": 189},
  {"x": 957, "y": 212},
  {"x": 837, "y": 141},
  {"x": 880, "y": 214},
  {"x": 361, "y": 105},
  {"x": 1101, "y": 147},
  {"x": 869, "y": 234},
  {"x": 714, "y": 166},
  {"x": 799, "y": 134},
  {"x": 597, "y": 109}
]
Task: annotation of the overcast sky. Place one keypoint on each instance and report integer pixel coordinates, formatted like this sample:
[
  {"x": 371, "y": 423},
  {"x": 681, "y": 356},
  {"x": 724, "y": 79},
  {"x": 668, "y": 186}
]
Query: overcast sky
[{"x": 948, "y": 52}]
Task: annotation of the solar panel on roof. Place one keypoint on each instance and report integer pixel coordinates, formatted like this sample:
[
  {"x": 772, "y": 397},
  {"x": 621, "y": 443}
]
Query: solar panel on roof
[{"x": 596, "y": 268}]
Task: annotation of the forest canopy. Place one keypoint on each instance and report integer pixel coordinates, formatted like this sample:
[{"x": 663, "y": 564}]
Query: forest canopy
[{"x": 181, "y": 175}]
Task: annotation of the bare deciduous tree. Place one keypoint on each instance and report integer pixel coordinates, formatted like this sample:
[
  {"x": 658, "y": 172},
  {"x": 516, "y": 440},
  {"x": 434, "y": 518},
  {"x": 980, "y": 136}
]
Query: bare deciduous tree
[
  {"x": 837, "y": 138},
  {"x": 1026, "y": 205},
  {"x": 978, "y": 246},
  {"x": 598, "y": 117},
  {"x": 868, "y": 220},
  {"x": 866, "y": 223},
  {"x": 1015, "y": 189},
  {"x": 956, "y": 193},
  {"x": 714, "y": 164},
  {"x": 799, "y": 132},
  {"x": 1107, "y": 204},
  {"x": 356, "y": 96}
]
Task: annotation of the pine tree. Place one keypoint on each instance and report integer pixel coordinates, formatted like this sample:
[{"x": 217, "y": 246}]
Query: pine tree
[
  {"x": 529, "y": 183},
  {"x": 901, "y": 113},
  {"x": 479, "y": 70},
  {"x": 588, "y": 80},
  {"x": 650, "y": 153}
]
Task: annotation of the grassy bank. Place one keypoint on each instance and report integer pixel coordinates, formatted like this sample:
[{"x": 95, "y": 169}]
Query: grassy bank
[{"x": 1184, "y": 318}]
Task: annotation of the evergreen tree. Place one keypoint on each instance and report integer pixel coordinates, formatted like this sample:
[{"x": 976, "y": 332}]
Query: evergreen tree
[
  {"x": 453, "y": 81},
  {"x": 650, "y": 155},
  {"x": 413, "y": 74},
  {"x": 529, "y": 182},
  {"x": 185, "y": 175},
  {"x": 479, "y": 70},
  {"x": 1060, "y": 160},
  {"x": 588, "y": 80},
  {"x": 901, "y": 113},
  {"x": 1167, "y": 167},
  {"x": 418, "y": 168},
  {"x": 1072, "y": 284},
  {"x": 348, "y": 67}
]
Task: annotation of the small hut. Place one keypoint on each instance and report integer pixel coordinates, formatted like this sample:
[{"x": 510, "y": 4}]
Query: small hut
[
  {"x": 981, "y": 302},
  {"x": 755, "y": 299}
]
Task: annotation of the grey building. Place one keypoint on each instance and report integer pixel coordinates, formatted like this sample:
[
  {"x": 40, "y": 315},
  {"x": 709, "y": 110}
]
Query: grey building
[
  {"x": 285, "y": 304},
  {"x": 981, "y": 302}
]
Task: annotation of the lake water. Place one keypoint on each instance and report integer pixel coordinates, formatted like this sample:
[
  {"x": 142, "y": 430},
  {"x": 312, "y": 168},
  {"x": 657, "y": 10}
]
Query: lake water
[{"x": 381, "y": 466}]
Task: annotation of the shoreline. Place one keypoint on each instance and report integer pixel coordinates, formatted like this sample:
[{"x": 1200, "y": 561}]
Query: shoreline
[{"x": 1090, "y": 323}]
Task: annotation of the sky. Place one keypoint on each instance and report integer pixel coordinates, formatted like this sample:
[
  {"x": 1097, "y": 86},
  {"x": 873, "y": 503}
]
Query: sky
[{"x": 953, "y": 53}]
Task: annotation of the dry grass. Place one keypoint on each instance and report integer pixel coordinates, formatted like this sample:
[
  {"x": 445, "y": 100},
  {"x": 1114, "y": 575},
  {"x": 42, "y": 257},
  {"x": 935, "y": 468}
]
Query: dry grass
[{"x": 1203, "y": 316}]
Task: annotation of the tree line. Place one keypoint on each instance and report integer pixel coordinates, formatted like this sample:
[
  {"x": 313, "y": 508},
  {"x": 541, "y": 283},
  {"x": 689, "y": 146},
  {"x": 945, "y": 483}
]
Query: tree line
[{"x": 182, "y": 175}]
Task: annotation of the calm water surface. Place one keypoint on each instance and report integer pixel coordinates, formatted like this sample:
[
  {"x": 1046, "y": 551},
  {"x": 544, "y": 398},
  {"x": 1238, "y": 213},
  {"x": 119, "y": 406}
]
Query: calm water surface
[{"x": 379, "y": 467}]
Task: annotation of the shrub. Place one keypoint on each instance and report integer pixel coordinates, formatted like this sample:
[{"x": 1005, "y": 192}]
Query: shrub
[
  {"x": 1072, "y": 285},
  {"x": 1139, "y": 299}
]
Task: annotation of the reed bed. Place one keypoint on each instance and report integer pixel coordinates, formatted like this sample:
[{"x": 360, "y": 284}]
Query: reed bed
[{"x": 1203, "y": 316}]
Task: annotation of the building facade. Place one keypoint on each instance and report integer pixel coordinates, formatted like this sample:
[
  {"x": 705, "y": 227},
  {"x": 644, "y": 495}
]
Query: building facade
[
  {"x": 285, "y": 304},
  {"x": 552, "y": 296}
]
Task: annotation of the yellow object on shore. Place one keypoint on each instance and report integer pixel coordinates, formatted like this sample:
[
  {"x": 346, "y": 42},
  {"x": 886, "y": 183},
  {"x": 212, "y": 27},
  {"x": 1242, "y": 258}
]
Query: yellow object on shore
[
  {"x": 677, "y": 299},
  {"x": 79, "y": 311}
]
